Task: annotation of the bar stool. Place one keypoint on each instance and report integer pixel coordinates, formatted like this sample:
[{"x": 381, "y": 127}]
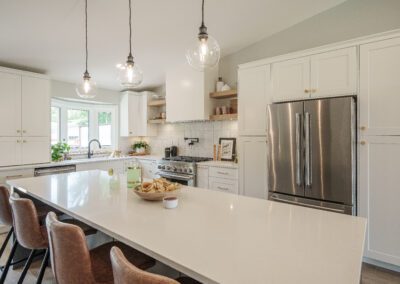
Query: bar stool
[
  {"x": 73, "y": 263},
  {"x": 126, "y": 273}
]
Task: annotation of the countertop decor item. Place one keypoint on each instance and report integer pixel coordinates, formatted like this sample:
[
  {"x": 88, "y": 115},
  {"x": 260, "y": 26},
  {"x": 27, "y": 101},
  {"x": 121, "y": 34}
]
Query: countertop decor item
[
  {"x": 228, "y": 149},
  {"x": 58, "y": 151},
  {"x": 87, "y": 88},
  {"x": 206, "y": 52},
  {"x": 130, "y": 74}
]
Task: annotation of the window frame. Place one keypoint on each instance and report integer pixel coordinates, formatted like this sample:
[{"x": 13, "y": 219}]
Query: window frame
[{"x": 94, "y": 109}]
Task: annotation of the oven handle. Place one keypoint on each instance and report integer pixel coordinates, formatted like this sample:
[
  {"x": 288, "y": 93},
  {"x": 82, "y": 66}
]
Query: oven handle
[{"x": 180, "y": 177}]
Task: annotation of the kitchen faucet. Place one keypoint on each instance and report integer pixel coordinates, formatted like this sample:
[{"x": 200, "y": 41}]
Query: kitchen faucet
[{"x": 90, "y": 154}]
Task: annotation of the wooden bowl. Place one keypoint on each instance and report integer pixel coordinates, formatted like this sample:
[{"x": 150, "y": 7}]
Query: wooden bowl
[{"x": 155, "y": 196}]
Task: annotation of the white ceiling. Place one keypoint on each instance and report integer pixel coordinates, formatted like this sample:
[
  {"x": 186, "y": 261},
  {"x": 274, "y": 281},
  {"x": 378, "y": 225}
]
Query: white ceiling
[{"x": 48, "y": 35}]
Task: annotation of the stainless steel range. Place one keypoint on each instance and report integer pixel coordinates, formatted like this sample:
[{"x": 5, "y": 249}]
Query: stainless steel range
[{"x": 180, "y": 169}]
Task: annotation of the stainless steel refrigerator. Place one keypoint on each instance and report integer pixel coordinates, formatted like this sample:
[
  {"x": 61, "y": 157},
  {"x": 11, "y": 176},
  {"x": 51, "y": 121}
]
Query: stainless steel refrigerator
[{"x": 312, "y": 153}]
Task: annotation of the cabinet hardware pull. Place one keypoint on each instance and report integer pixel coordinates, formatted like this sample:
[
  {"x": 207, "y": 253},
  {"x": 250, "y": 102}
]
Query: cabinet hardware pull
[
  {"x": 306, "y": 91},
  {"x": 362, "y": 142},
  {"x": 363, "y": 128}
]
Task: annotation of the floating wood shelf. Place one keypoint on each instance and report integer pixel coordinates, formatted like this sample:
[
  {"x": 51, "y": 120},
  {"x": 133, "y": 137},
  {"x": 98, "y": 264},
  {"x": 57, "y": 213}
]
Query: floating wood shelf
[
  {"x": 231, "y": 116},
  {"x": 157, "y": 103},
  {"x": 224, "y": 94},
  {"x": 156, "y": 120}
]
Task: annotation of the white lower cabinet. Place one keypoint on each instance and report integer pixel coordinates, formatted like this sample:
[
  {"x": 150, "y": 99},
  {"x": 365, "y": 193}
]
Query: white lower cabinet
[
  {"x": 202, "y": 177},
  {"x": 224, "y": 185},
  {"x": 379, "y": 195},
  {"x": 253, "y": 166}
]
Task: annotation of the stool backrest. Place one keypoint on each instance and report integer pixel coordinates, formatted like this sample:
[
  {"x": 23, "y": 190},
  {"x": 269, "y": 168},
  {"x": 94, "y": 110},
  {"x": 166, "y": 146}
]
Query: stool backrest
[
  {"x": 125, "y": 272},
  {"x": 5, "y": 207},
  {"x": 26, "y": 224},
  {"x": 69, "y": 254}
]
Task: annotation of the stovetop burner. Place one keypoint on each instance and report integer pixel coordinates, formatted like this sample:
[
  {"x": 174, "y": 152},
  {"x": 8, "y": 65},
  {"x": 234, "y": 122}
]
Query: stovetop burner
[{"x": 187, "y": 159}]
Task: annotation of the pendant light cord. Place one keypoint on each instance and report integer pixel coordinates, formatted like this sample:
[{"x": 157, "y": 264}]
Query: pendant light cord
[
  {"x": 130, "y": 28},
  {"x": 86, "y": 34}
]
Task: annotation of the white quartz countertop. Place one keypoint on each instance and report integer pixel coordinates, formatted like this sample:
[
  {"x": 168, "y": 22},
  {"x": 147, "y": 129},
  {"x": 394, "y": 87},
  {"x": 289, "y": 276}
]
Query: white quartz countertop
[
  {"x": 212, "y": 236},
  {"x": 219, "y": 164}
]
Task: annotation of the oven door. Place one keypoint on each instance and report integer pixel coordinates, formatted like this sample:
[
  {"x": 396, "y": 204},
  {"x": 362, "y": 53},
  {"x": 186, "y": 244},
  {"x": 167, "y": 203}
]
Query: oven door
[{"x": 183, "y": 179}]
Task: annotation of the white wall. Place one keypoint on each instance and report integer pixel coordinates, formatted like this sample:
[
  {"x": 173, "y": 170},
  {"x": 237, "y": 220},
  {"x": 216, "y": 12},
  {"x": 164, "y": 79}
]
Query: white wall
[{"x": 352, "y": 19}]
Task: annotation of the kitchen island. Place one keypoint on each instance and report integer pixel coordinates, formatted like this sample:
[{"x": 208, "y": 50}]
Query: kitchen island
[{"x": 212, "y": 236}]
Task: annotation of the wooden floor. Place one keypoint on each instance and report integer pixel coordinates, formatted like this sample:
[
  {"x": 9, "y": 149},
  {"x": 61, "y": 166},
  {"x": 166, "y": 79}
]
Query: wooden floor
[{"x": 370, "y": 274}]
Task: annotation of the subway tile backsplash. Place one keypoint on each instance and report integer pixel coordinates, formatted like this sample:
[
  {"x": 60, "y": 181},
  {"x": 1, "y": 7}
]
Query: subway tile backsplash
[{"x": 208, "y": 133}]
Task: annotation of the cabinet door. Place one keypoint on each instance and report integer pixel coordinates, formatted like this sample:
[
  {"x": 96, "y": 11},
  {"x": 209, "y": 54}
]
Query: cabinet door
[
  {"x": 10, "y": 151},
  {"x": 253, "y": 166},
  {"x": 35, "y": 107},
  {"x": 291, "y": 79},
  {"x": 35, "y": 150},
  {"x": 202, "y": 177},
  {"x": 334, "y": 73},
  {"x": 254, "y": 95},
  {"x": 10, "y": 104},
  {"x": 380, "y": 88},
  {"x": 379, "y": 197}
]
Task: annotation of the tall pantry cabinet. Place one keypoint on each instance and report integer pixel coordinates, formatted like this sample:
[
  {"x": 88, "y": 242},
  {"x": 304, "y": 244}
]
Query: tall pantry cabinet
[
  {"x": 379, "y": 164},
  {"x": 253, "y": 96},
  {"x": 24, "y": 118}
]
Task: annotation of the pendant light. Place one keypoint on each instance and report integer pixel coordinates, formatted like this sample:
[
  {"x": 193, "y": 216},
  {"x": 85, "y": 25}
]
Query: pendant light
[
  {"x": 87, "y": 88},
  {"x": 129, "y": 74},
  {"x": 205, "y": 52}
]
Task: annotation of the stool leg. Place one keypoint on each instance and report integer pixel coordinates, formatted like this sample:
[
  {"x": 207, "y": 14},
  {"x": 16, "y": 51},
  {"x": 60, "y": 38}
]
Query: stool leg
[
  {"x": 43, "y": 267},
  {"x": 3, "y": 247},
  {"x": 26, "y": 267},
  {"x": 10, "y": 257}
]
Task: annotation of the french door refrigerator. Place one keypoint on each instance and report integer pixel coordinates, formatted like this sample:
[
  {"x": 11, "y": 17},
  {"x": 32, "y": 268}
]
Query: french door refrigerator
[{"x": 312, "y": 153}]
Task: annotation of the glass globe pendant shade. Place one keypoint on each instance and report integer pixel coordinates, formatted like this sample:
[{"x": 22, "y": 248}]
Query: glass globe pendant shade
[
  {"x": 129, "y": 74},
  {"x": 205, "y": 53},
  {"x": 87, "y": 88}
]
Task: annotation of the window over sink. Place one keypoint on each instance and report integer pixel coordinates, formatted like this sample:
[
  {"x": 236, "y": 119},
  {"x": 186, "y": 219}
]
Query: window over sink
[{"x": 77, "y": 123}]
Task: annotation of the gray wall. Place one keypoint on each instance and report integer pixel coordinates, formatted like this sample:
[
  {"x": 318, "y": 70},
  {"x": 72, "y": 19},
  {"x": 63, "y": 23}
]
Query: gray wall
[{"x": 353, "y": 18}]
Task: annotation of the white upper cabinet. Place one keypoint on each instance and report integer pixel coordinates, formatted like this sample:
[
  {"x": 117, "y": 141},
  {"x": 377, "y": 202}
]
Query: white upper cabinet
[
  {"x": 291, "y": 79},
  {"x": 134, "y": 115},
  {"x": 188, "y": 93},
  {"x": 380, "y": 88},
  {"x": 35, "y": 107},
  {"x": 379, "y": 196},
  {"x": 10, "y": 104},
  {"x": 254, "y": 96},
  {"x": 253, "y": 166},
  {"x": 334, "y": 73}
]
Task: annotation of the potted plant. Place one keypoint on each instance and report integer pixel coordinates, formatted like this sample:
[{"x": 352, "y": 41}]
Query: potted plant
[
  {"x": 140, "y": 147},
  {"x": 58, "y": 151}
]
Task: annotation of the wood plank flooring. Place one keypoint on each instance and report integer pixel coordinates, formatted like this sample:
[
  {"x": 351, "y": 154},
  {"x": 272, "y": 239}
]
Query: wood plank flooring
[{"x": 370, "y": 274}]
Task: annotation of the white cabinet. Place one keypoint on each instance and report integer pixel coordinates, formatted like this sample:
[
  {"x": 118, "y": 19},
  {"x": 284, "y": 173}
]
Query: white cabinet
[
  {"x": 379, "y": 196},
  {"x": 134, "y": 115},
  {"x": 35, "y": 107},
  {"x": 291, "y": 79},
  {"x": 10, "y": 151},
  {"x": 149, "y": 168},
  {"x": 254, "y": 95},
  {"x": 224, "y": 185},
  {"x": 380, "y": 88},
  {"x": 187, "y": 93},
  {"x": 332, "y": 73},
  {"x": 202, "y": 176},
  {"x": 253, "y": 166},
  {"x": 10, "y": 104}
]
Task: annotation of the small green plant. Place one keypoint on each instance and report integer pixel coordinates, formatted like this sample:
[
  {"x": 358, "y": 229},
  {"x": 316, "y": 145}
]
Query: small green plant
[
  {"x": 140, "y": 144},
  {"x": 58, "y": 150}
]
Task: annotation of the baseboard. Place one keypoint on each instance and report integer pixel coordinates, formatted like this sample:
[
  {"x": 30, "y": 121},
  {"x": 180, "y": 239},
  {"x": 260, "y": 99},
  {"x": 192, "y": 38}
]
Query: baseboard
[{"x": 382, "y": 264}]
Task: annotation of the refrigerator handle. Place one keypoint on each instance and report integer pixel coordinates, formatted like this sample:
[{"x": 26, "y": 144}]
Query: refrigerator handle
[
  {"x": 298, "y": 149},
  {"x": 307, "y": 127}
]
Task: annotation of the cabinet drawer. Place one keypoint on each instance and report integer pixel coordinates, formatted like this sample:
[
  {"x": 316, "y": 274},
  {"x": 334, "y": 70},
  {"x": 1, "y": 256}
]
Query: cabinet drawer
[
  {"x": 224, "y": 185},
  {"x": 223, "y": 173}
]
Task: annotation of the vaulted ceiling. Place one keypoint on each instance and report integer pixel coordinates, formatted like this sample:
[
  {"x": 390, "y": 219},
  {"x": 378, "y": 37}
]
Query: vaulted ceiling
[{"x": 48, "y": 35}]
